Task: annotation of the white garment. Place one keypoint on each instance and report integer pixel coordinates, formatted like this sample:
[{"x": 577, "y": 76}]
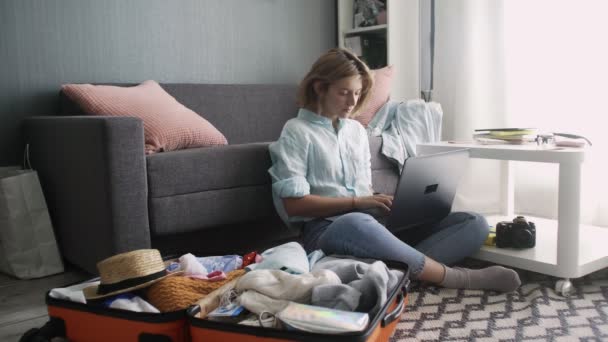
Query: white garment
[
  {"x": 289, "y": 257},
  {"x": 124, "y": 301},
  {"x": 191, "y": 267},
  {"x": 132, "y": 303},
  {"x": 258, "y": 303},
  {"x": 72, "y": 293},
  {"x": 403, "y": 125},
  {"x": 272, "y": 285}
]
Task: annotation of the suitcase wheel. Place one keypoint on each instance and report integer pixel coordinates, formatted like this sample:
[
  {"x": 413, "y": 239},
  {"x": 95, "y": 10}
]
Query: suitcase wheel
[
  {"x": 55, "y": 327},
  {"x": 33, "y": 335}
]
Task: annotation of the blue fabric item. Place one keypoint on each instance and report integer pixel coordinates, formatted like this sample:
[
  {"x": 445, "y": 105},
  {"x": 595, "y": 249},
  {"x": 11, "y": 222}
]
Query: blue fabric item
[
  {"x": 457, "y": 236},
  {"x": 289, "y": 257},
  {"x": 310, "y": 141},
  {"x": 403, "y": 125},
  {"x": 315, "y": 256},
  {"x": 107, "y": 302},
  {"x": 225, "y": 263},
  {"x": 173, "y": 266}
]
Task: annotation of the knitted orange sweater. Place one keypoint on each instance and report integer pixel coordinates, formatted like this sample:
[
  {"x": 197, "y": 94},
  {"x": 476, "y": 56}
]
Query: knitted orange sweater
[{"x": 179, "y": 292}]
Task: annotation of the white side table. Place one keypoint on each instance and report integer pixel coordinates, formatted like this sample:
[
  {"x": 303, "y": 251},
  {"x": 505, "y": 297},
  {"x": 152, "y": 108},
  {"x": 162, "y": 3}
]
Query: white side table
[{"x": 564, "y": 247}]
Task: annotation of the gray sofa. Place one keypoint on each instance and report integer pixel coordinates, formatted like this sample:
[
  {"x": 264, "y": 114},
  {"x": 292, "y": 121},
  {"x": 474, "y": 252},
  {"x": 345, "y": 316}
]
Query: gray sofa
[{"x": 105, "y": 196}]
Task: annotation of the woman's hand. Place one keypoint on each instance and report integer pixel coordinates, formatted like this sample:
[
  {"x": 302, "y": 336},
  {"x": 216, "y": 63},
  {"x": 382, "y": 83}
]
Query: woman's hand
[{"x": 381, "y": 201}]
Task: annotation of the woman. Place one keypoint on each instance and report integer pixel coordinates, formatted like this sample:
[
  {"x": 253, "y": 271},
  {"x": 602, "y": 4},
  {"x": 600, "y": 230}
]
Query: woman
[{"x": 321, "y": 176}]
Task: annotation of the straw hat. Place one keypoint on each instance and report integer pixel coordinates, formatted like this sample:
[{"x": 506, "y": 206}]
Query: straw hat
[{"x": 127, "y": 272}]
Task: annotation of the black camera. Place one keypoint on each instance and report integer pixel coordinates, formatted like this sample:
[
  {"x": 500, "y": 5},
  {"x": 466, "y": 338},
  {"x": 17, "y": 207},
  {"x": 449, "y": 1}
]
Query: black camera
[{"x": 517, "y": 234}]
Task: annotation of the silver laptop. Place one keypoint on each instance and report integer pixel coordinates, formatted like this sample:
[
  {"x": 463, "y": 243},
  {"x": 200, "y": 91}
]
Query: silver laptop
[{"x": 426, "y": 189}]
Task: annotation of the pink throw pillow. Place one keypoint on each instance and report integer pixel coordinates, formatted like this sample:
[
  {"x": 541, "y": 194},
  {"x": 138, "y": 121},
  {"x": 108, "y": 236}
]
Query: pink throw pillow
[
  {"x": 380, "y": 94},
  {"x": 168, "y": 125}
]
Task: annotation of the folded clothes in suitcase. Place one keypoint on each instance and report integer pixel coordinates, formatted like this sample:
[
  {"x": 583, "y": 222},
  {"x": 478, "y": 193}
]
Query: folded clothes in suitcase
[{"x": 379, "y": 327}]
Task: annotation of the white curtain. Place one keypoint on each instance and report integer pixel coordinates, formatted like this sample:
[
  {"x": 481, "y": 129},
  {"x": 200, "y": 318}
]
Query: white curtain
[{"x": 525, "y": 63}]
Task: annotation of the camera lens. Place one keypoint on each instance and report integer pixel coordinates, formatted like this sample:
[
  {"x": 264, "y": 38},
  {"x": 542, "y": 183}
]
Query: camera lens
[{"x": 522, "y": 238}]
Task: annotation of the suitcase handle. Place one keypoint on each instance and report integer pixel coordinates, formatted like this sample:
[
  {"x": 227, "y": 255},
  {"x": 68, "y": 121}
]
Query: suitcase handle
[
  {"x": 193, "y": 310},
  {"x": 393, "y": 315}
]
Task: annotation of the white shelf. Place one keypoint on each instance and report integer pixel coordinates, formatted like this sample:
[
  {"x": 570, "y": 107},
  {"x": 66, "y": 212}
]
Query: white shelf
[
  {"x": 543, "y": 257},
  {"x": 565, "y": 247},
  {"x": 368, "y": 29},
  {"x": 528, "y": 152},
  {"x": 402, "y": 42}
]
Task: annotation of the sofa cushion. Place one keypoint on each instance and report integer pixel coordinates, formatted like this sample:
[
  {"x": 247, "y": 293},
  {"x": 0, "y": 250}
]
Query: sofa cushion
[
  {"x": 198, "y": 188},
  {"x": 385, "y": 181},
  {"x": 380, "y": 94},
  {"x": 207, "y": 209},
  {"x": 168, "y": 125},
  {"x": 222, "y": 167},
  {"x": 205, "y": 169},
  {"x": 379, "y": 161},
  {"x": 244, "y": 113},
  {"x": 205, "y": 187},
  {"x": 385, "y": 173}
]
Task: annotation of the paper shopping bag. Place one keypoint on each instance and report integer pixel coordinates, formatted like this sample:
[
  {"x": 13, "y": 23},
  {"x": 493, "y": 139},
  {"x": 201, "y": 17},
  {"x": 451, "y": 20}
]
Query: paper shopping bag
[{"x": 27, "y": 243}]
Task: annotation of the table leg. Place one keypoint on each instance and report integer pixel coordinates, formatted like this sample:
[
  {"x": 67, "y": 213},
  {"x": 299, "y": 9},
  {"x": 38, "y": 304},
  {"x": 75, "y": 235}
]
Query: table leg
[
  {"x": 507, "y": 189},
  {"x": 568, "y": 215}
]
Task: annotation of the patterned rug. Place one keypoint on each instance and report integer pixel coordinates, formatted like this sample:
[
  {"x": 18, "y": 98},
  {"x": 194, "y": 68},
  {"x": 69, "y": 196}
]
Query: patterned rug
[{"x": 535, "y": 312}]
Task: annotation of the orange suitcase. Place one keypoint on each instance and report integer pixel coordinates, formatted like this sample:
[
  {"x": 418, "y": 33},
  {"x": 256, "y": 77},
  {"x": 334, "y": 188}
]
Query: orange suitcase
[
  {"x": 380, "y": 328},
  {"x": 78, "y": 322}
]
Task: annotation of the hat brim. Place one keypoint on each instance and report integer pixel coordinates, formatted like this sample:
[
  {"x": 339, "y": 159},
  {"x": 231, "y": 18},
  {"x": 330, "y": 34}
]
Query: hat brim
[{"x": 90, "y": 292}]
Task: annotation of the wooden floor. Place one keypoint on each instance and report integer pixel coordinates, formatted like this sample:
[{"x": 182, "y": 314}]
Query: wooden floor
[{"x": 22, "y": 302}]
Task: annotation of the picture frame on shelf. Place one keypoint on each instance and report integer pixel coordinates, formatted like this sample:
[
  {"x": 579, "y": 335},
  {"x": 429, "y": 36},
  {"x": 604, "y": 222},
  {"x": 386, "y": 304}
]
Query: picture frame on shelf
[
  {"x": 353, "y": 44},
  {"x": 369, "y": 13}
]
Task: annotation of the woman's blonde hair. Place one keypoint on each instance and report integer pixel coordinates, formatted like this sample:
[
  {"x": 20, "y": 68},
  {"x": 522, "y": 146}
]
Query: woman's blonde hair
[{"x": 333, "y": 66}]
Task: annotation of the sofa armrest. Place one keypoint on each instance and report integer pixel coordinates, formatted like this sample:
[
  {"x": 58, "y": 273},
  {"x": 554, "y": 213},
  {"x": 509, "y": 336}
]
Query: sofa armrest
[
  {"x": 385, "y": 174},
  {"x": 93, "y": 174}
]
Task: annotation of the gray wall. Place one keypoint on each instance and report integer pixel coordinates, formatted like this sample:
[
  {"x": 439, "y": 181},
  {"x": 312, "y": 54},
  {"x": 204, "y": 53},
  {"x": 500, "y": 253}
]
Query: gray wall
[{"x": 45, "y": 43}]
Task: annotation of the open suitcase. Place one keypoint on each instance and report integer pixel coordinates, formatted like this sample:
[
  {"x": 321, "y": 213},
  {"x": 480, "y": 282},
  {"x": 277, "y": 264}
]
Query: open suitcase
[
  {"x": 81, "y": 322},
  {"x": 380, "y": 327}
]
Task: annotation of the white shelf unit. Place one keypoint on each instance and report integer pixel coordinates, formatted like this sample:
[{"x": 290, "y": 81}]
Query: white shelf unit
[
  {"x": 542, "y": 258},
  {"x": 375, "y": 28},
  {"x": 564, "y": 247},
  {"x": 402, "y": 42}
]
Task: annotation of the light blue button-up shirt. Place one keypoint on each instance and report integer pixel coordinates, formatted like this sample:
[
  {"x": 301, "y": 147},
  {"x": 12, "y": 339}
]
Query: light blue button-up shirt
[{"x": 311, "y": 157}]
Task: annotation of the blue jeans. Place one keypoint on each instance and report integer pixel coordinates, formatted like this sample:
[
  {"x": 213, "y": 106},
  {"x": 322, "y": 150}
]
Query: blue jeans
[{"x": 454, "y": 238}]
